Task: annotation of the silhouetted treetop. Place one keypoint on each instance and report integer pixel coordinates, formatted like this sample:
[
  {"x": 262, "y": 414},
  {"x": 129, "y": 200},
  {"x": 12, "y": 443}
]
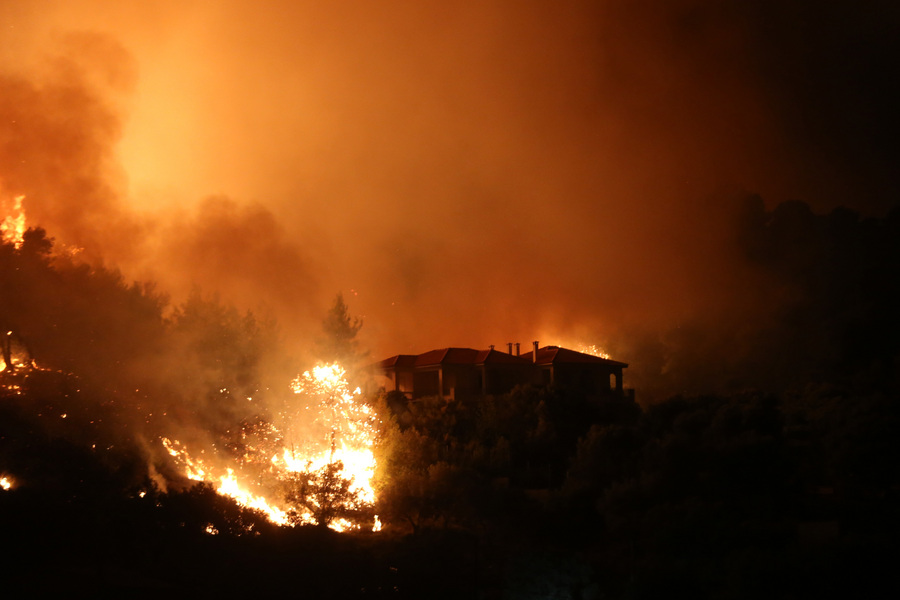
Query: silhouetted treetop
[{"x": 338, "y": 342}]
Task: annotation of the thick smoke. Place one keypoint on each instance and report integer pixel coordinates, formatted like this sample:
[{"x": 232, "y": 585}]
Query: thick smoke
[
  {"x": 59, "y": 144},
  {"x": 467, "y": 173},
  {"x": 58, "y": 139}
]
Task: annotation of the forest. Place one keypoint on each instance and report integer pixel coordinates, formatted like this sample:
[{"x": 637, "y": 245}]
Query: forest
[{"x": 779, "y": 479}]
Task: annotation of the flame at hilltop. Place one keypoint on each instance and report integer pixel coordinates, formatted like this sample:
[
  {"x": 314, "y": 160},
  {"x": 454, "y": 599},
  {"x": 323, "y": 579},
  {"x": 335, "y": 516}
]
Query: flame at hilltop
[
  {"x": 12, "y": 228},
  {"x": 323, "y": 439}
]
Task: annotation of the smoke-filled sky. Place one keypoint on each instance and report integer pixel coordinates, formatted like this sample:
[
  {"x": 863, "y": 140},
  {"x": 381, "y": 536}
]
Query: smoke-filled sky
[{"x": 467, "y": 173}]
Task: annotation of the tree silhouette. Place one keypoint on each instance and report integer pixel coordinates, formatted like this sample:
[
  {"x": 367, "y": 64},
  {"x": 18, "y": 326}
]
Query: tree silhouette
[
  {"x": 323, "y": 496},
  {"x": 338, "y": 343}
]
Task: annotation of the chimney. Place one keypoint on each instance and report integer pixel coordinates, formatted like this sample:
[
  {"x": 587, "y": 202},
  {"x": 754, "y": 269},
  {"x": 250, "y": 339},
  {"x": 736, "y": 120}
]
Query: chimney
[
  {"x": 535, "y": 351},
  {"x": 509, "y": 346},
  {"x": 517, "y": 348},
  {"x": 492, "y": 346}
]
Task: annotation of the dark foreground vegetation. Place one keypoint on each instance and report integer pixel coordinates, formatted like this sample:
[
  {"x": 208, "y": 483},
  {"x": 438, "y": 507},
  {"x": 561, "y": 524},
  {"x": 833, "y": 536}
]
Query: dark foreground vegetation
[
  {"x": 792, "y": 491},
  {"x": 752, "y": 495}
]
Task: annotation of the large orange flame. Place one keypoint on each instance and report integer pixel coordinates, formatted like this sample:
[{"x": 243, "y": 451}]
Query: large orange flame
[
  {"x": 327, "y": 424},
  {"x": 12, "y": 228}
]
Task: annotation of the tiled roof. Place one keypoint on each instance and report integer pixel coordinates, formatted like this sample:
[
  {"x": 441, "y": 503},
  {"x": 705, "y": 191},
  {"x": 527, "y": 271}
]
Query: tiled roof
[
  {"x": 447, "y": 356},
  {"x": 398, "y": 361},
  {"x": 495, "y": 357},
  {"x": 554, "y": 355},
  {"x": 548, "y": 355}
]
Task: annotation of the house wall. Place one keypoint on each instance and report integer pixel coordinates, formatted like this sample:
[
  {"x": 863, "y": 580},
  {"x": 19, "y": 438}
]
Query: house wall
[
  {"x": 426, "y": 383},
  {"x": 461, "y": 380},
  {"x": 453, "y": 380},
  {"x": 501, "y": 379},
  {"x": 592, "y": 379}
]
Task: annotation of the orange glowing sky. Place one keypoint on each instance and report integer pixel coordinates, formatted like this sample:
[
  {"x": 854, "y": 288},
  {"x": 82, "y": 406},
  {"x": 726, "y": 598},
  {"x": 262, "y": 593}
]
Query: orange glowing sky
[{"x": 467, "y": 173}]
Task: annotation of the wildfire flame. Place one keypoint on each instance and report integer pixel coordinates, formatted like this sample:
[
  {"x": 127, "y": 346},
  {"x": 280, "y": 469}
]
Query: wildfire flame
[
  {"x": 593, "y": 350},
  {"x": 325, "y": 427},
  {"x": 12, "y": 228},
  {"x": 349, "y": 424}
]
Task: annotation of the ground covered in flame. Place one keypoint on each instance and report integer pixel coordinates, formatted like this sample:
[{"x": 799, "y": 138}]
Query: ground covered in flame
[{"x": 311, "y": 462}]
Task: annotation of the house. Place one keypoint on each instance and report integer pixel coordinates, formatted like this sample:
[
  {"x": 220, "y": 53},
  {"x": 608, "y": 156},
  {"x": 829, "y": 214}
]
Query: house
[
  {"x": 459, "y": 372},
  {"x": 586, "y": 372}
]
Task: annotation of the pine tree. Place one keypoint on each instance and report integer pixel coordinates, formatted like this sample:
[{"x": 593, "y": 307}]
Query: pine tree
[{"x": 339, "y": 343}]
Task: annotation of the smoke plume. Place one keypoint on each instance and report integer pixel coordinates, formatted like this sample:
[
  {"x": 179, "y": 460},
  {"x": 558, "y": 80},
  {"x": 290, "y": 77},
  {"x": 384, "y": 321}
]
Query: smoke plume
[{"x": 466, "y": 173}]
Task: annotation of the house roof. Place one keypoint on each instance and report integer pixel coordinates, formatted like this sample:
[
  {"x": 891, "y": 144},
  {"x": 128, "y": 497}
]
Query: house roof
[
  {"x": 466, "y": 356},
  {"x": 554, "y": 355},
  {"x": 496, "y": 357},
  {"x": 441, "y": 356},
  {"x": 548, "y": 355},
  {"x": 399, "y": 361},
  {"x": 447, "y": 356}
]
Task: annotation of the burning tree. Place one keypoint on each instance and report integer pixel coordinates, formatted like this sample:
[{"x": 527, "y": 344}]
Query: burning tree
[
  {"x": 322, "y": 458},
  {"x": 324, "y": 496},
  {"x": 335, "y": 481}
]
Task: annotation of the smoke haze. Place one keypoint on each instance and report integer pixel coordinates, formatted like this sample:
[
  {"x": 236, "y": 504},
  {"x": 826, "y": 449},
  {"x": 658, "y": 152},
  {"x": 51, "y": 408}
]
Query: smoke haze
[{"x": 466, "y": 173}]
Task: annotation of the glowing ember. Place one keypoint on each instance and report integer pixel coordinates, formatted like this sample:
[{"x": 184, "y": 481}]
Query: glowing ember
[
  {"x": 314, "y": 466},
  {"x": 6, "y": 482},
  {"x": 191, "y": 468},
  {"x": 13, "y": 355},
  {"x": 11, "y": 388}
]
